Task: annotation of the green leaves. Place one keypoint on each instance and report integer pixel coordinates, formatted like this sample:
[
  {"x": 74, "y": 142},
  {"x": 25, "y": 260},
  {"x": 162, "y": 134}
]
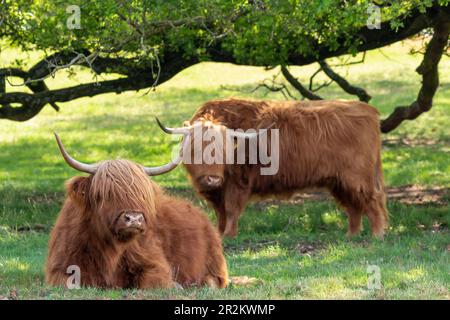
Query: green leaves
[{"x": 255, "y": 32}]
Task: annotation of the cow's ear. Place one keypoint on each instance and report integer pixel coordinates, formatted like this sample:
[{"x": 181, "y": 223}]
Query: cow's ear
[
  {"x": 78, "y": 188},
  {"x": 186, "y": 123}
]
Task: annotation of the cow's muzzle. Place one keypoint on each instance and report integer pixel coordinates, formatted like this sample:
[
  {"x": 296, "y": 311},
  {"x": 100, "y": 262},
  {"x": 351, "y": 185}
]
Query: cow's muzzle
[
  {"x": 129, "y": 224},
  {"x": 133, "y": 219},
  {"x": 210, "y": 182}
]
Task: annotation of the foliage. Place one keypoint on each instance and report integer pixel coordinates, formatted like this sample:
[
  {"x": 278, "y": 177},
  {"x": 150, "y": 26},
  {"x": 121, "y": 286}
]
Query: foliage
[
  {"x": 259, "y": 32},
  {"x": 148, "y": 42}
]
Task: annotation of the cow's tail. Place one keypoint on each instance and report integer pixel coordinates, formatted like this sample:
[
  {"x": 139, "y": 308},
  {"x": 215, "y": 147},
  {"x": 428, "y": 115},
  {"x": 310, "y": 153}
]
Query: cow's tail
[{"x": 380, "y": 189}]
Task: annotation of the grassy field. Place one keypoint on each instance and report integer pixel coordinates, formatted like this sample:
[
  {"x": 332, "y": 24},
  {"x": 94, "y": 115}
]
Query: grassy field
[{"x": 293, "y": 251}]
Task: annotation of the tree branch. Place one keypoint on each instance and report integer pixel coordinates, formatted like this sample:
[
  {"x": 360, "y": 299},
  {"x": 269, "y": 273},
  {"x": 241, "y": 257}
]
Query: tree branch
[
  {"x": 34, "y": 78},
  {"x": 412, "y": 24},
  {"x": 430, "y": 78},
  {"x": 39, "y": 86},
  {"x": 271, "y": 85},
  {"x": 32, "y": 104},
  {"x": 139, "y": 73},
  {"x": 343, "y": 83},
  {"x": 298, "y": 86}
]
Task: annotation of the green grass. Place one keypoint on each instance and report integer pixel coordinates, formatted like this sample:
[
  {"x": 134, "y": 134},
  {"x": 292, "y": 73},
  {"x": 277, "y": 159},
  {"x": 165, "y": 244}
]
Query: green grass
[{"x": 413, "y": 259}]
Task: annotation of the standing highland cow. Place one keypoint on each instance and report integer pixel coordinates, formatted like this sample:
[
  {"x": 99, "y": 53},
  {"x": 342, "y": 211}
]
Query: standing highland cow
[
  {"x": 122, "y": 231},
  {"x": 331, "y": 144}
]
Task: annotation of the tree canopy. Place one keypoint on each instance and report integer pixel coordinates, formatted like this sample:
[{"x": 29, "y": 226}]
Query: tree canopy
[{"x": 149, "y": 41}]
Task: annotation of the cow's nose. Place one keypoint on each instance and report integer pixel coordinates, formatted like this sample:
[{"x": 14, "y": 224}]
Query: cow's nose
[
  {"x": 134, "y": 219},
  {"x": 210, "y": 181}
]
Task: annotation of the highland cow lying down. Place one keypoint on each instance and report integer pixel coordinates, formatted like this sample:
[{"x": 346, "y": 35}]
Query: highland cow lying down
[{"x": 122, "y": 231}]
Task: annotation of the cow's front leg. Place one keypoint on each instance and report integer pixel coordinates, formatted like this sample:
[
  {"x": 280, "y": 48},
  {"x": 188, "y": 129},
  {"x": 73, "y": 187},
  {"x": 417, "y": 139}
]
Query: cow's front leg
[
  {"x": 231, "y": 229},
  {"x": 235, "y": 202},
  {"x": 145, "y": 269},
  {"x": 216, "y": 200},
  {"x": 219, "y": 209},
  {"x": 157, "y": 277}
]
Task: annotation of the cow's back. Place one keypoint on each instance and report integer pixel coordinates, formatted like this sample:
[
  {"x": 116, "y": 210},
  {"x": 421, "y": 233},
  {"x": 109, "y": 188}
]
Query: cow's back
[{"x": 320, "y": 142}]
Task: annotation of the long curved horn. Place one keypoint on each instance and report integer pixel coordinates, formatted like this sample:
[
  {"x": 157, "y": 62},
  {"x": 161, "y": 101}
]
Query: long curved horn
[
  {"x": 77, "y": 165},
  {"x": 154, "y": 171},
  {"x": 183, "y": 130}
]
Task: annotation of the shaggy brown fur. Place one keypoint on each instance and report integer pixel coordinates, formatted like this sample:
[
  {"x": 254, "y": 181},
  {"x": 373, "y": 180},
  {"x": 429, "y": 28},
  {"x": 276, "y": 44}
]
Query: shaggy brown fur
[
  {"x": 326, "y": 144},
  {"x": 175, "y": 244}
]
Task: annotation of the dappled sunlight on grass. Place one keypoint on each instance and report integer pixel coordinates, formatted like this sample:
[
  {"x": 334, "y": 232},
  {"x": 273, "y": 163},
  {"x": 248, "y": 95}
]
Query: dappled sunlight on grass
[
  {"x": 399, "y": 229},
  {"x": 267, "y": 252},
  {"x": 418, "y": 165},
  {"x": 12, "y": 265},
  {"x": 410, "y": 275},
  {"x": 334, "y": 218},
  {"x": 338, "y": 270},
  {"x": 325, "y": 288},
  {"x": 7, "y": 236},
  {"x": 333, "y": 254}
]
